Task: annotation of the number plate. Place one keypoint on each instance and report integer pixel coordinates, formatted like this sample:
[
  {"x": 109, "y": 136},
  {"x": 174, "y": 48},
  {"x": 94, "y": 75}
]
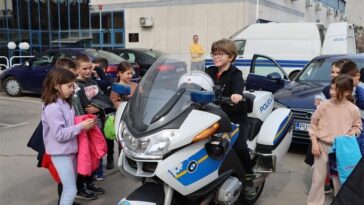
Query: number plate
[{"x": 301, "y": 126}]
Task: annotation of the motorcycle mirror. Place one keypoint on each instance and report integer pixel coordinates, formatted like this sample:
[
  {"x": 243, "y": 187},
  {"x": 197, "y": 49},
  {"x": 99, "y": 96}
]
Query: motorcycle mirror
[
  {"x": 121, "y": 89},
  {"x": 202, "y": 97}
]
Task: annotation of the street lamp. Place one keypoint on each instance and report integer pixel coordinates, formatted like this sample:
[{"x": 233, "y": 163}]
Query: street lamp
[
  {"x": 12, "y": 48},
  {"x": 11, "y": 45}
]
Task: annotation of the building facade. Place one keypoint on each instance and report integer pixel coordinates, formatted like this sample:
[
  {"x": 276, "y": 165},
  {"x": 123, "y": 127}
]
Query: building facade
[{"x": 167, "y": 25}]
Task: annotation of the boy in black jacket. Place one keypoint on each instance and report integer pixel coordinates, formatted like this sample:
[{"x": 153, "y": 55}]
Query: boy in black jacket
[
  {"x": 93, "y": 101},
  {"x": 229, "y": 83}
]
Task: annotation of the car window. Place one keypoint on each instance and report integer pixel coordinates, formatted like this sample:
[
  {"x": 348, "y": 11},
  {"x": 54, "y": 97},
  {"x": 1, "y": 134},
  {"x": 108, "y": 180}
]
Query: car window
[
  {"x": 240, "y": 46},
  {"x": 319, "y": 70},
  {"x": 264, "y": 66},
  {"x": 43, "y": 59},
  {"x": 128, "y": 56},
  {"x": 110, "y": 57}
]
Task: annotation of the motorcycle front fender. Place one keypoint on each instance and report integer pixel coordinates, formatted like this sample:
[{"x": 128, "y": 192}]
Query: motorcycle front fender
[{"x": 147, "y": 194}]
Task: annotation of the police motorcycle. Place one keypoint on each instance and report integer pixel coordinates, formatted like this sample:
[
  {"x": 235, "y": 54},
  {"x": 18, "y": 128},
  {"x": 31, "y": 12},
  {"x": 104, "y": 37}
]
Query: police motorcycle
[{"x": 178, "y": 143}]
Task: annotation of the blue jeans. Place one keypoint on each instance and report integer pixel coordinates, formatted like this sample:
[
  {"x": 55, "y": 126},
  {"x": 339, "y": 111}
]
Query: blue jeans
[
  {"x": 66, "y": 166},
  {"x": 99, "y": 171}
]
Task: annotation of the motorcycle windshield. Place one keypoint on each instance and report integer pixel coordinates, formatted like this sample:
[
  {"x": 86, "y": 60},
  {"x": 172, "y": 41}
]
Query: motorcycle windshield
[{"x": 160, "y": 96}]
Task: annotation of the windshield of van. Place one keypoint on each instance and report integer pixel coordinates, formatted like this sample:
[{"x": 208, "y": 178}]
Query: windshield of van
[
  {"x": 319, "y": 70},
  {"x": 240, "y": 46}
]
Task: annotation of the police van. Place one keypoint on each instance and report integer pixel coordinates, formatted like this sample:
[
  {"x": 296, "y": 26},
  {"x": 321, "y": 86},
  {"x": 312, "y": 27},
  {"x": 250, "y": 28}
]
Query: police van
[{"x": 292, "y": 45}]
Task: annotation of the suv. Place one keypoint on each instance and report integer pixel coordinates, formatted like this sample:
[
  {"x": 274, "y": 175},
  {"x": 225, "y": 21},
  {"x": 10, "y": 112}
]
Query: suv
[{"x": 298, "y": 94}]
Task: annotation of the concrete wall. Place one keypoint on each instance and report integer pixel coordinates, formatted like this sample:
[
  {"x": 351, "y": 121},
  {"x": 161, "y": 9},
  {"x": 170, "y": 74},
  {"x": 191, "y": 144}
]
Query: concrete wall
[{"x": 175, "y": 22}]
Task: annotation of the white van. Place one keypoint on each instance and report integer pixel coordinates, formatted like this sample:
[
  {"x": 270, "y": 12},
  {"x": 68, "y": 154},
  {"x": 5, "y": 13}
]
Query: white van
[{"x": 293, "y": 45}]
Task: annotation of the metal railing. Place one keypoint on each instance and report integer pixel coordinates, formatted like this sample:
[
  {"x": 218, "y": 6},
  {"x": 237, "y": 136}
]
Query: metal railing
[
  {"x": 18, "y": 57},
  {"x": 7, "y": 62}
]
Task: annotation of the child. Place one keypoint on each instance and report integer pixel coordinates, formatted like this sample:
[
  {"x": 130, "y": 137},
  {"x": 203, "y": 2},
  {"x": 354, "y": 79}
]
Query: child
[
  {"x": 335, "y": 71},
  {"x": 325, "y": 95},
  {"x": 351, "y": 69},
  {"x": 93, "y": 102},
  {"x": 125, "y": 74},
  {"x": 335, "y": 117},
  {"x": 100, "y": 65},
  {"x": 229, "y": 83},
  {"x": 69, "y": 64},
  {"x": 59, "y": 130}
]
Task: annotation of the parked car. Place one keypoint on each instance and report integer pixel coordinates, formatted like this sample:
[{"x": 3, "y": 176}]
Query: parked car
[
  {"x": 28, "y": 77},
  {"x": 298, "y": 94},
  {"x": 142, "y": 56}
]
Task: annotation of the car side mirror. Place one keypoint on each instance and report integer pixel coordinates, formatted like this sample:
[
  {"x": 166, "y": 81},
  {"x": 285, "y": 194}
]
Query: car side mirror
[
  {"x": 274, "y": 76},
  {"x": 28, "y": 63}
]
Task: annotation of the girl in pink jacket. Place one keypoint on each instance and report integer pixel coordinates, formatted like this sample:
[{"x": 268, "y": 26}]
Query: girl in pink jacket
[{"x": 335, "y": 117}]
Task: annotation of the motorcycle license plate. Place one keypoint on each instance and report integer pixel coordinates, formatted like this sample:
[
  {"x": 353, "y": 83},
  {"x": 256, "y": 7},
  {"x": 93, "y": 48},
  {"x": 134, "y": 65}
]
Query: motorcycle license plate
[{"x": 301, "y": 126}]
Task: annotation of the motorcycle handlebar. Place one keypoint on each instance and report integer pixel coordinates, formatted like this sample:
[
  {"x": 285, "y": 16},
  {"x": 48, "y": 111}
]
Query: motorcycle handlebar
[{"x": 226, "y": 101}]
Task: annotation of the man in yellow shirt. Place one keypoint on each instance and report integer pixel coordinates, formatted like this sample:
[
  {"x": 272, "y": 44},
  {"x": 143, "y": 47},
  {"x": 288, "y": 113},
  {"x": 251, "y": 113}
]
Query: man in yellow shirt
[{"x": 196, "y": 51}]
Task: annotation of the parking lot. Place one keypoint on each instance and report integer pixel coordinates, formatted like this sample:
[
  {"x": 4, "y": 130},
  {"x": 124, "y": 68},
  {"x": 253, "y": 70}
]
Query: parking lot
[{"x": 23, "y": 183}]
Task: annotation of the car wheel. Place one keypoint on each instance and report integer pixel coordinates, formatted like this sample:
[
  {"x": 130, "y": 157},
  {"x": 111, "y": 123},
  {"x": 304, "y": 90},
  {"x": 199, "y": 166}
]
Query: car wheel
[{"x": 12, "y": 87}]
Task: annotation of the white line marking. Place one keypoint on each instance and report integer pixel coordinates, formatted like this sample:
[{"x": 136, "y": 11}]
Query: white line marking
[
  {"x": 10, "y": 126},
  {"x": 21, "y": 100}
]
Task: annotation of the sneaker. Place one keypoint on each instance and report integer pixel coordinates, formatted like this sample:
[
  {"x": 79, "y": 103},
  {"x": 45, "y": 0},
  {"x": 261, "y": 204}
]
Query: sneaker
[
  {"x": 97, "y": 190},
  {"x": 86, "y": 195},
  {"x": 328, "y": 188},
  {"x": 110, "y": 164},
  {"x": 99, "y": 178},
  {"x": 249, "y": 191}
]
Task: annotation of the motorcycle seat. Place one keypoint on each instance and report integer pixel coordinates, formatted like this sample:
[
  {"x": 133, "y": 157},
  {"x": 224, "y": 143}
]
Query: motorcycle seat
[{"x": 253, "y": 126}]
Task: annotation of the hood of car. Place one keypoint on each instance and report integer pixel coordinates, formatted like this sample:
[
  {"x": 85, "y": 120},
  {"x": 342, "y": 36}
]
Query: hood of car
[{"x": 299, "y": 94}]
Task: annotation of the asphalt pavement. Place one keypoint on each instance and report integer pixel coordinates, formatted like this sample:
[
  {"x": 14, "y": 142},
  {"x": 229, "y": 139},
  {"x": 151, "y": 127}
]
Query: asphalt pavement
[{"x": 22, "y": 183}]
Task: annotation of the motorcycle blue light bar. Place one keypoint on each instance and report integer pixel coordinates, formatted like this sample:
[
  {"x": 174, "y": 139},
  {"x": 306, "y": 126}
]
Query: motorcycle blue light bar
[
  {"x": 121, "y": 89},
  {"x": 203, "y": 97}
]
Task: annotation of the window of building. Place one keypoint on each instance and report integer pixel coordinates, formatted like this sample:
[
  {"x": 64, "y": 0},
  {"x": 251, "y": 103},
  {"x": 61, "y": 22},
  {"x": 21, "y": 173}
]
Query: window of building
[
  {"x": 95, "y": 19},
  {"x": 118, "y": 20},
  {"x": 84, "y": 16},
  {"x": 335, "y": 4},
  {"x": 34, "y": 13},
  {"x": 44, "y": 17}
]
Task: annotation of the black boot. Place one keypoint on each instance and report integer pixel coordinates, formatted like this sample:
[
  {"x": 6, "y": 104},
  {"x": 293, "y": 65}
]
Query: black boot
[{"x": 96, "y": 190}]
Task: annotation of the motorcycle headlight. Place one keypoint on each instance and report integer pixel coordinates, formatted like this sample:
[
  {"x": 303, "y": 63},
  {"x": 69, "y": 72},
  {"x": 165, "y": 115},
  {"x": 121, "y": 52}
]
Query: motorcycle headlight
[
  {"x": 155, "y": 145},
  {"x": 119, "y": 135},
  {"x": 159, "y": 143},
  {"x": 278, "y": 105}
]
